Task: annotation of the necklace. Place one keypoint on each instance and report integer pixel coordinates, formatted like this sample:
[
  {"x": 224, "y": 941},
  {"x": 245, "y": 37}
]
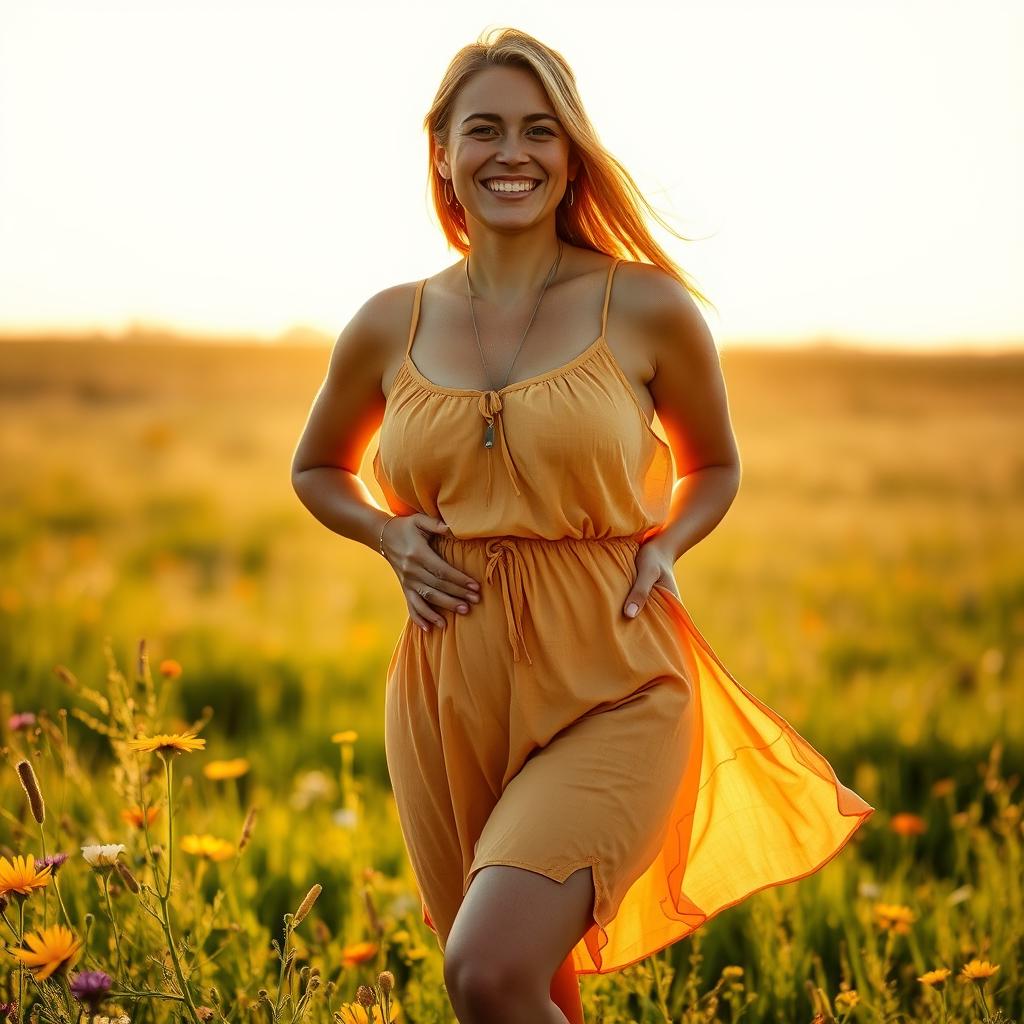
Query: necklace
[{"x": 489, "y": 431}]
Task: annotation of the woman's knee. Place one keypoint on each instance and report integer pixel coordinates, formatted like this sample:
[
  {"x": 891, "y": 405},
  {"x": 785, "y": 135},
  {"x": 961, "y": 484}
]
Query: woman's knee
[{"x": 485, "y": 979}]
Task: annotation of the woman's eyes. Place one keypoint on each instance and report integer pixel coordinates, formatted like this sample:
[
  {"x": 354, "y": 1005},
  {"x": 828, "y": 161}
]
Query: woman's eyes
[{"x": 488, "y": 128}]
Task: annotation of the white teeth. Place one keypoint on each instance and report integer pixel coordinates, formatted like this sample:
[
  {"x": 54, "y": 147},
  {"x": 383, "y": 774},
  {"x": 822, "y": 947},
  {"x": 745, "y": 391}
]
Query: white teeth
[{"x": 511, "y": 186}]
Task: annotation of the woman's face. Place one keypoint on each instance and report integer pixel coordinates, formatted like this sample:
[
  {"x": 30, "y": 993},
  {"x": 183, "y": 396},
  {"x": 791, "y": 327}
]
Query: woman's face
[{"x": 503, "y": 126}]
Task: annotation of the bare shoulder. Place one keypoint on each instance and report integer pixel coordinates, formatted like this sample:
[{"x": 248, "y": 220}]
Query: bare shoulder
[
  {"x": 662, "y": 312},
  {"x": 374, "y": 339},
  {"x": 349, "y": 405}
]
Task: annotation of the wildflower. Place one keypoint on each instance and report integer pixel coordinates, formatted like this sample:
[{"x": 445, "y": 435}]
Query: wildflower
[
  {"x": 307, "y": 904},
  {"x": 894, "y": 917},
  {"x": 846, "y": 1001},
  {"x": 139, "y": 818},
  {"x": 358, "y": 953},
  {"x": 352, "y": 1013},
  {"x": 91, "y": 987},
  {"x": 22, "y": 875},
  {"x": 220, "y": 770},
  {"x": 16, "y": 723},
  {"x": 906, "y": 824},
  {"x": 207, "y": 846},
  {"x": 365, "y": 996},
  {"x": 943, "y": 787},
  {"x": 170, "y": 669},
  {"x": 348, "y": 736},
  {"x": 177, "y": 743},
  {"x": 936, "y": 978},
  {"x": 978, "y": 970},
  {"x": 52, "y": 950},
  {"x": 732, "y": 972},
  {"x": 31, "y": 786},
  {"x": 52, "y": 860},
  {"x": 101, "y": 856},
  {"x": 386, "y": 981},
  {"x": 345, "y": 817}
]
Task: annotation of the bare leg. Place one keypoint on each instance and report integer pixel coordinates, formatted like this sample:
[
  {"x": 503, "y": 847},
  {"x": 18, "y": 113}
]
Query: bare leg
[{"x": 512, "y": 935}]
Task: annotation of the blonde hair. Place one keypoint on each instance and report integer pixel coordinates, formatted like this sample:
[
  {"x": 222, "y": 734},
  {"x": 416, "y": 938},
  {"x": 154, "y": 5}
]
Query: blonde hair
[{"x": 605, "y": 215}]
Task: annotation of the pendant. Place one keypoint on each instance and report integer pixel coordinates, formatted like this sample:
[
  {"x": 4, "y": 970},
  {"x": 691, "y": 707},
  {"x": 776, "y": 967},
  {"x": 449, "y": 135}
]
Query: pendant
[{"x": 489, "y": 436}]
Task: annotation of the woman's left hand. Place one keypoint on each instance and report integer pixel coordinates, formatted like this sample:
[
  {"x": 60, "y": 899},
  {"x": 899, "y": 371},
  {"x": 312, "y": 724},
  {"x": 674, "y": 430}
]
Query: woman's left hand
[{"x": 653, "y": 566}]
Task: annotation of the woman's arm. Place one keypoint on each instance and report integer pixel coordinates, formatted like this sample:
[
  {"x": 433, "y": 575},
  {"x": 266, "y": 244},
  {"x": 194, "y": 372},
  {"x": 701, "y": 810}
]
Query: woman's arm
[
  {"x": 345, "y": 414},
  {"x": 690, "y": 398}
]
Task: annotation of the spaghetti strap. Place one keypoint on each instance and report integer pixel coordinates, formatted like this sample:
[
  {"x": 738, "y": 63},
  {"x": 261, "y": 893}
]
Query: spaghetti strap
[
  {"x": 415, "y": 315},
  {"x": 608, "y": 295}
]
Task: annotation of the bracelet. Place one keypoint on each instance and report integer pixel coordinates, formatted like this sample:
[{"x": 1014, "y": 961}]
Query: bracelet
[{"x": 385, "y": 523}]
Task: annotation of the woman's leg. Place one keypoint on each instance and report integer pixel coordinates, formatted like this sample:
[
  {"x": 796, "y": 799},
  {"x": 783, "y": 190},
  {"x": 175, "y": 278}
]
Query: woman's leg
[{"x": 512, "y": 935}]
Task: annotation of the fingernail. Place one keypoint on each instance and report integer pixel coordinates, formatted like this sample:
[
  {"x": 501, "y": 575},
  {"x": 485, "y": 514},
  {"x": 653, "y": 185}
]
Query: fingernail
[
  {"x": 474, "y": 585},
  {"x": 632, "y": 608},
  {"x": 463, "y": 608}
]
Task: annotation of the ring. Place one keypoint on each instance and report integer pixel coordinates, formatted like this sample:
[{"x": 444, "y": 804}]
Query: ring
[{"x": 423, "y": 593}]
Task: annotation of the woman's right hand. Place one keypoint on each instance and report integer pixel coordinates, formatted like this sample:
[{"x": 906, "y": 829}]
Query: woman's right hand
[{"x": 426, "y": 578}]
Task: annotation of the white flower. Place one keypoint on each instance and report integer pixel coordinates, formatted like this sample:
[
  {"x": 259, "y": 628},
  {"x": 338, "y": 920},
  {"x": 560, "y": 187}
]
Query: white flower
[
  {"x": 102, "y": 856},
  {"x": 345, "y": 817}
]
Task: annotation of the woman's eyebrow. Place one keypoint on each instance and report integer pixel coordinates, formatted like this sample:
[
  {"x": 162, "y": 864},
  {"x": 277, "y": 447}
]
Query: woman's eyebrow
[{"x": 498, "y": 118}]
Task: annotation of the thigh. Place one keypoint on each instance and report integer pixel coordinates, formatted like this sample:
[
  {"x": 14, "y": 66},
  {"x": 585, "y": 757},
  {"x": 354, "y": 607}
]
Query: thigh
[{"x": 519, "y": 923}]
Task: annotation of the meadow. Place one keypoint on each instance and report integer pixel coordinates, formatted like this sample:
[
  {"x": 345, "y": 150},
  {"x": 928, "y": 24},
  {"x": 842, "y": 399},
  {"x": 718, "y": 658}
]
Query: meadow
[{"x": 159, "y": 577}]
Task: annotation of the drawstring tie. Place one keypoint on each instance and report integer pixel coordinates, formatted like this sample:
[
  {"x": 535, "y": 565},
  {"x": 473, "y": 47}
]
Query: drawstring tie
[
  {"x": 490, "y": 407},
  {"x": 505, "y": 558}
]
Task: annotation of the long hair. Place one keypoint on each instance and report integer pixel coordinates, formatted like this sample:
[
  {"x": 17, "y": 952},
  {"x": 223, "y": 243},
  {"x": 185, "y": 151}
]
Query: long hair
[{"x": 605, "y": 215}]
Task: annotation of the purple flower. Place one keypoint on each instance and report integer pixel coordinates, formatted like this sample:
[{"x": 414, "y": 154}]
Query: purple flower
[
  {"x": 53, "y": 859},
  {"x": 22, "y": 720},
  {"x": 91, "y": 987}
]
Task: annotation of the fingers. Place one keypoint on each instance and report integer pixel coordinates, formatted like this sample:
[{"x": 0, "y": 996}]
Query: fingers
[{"x": 448, "y": 580}]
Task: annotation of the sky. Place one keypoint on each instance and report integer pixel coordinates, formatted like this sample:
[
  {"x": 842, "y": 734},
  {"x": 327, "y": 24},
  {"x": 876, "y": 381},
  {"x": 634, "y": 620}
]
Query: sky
[{"x": 843, "y": 171}]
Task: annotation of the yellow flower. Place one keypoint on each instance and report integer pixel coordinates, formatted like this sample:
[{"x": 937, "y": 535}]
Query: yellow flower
[
  {"x": 978, "y": 970},
  {"x": 936, "y": 978},
  {"x": 353, "y": 1013},
  {"x": 208, "y": 846},
  {"x": 179, "y": 742},
  {"x": 51, "y": 949},
  {"x": 358, "y": 953},
  {"x": 732, "y": 971},
  {"x": 348, "y": 736},
  {"x": 232, "y": 769},
  {"x": 21, "y": 876},
  {"x": 846, "y": 1000},
  {"x": 894, "y": 917}
]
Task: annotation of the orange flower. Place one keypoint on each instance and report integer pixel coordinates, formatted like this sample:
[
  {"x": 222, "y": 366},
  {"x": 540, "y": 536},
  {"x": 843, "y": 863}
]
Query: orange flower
[
  {"x": 906, "y": 824},
  {"x": 21, "y": 876},
  {"x": 358, "y": 953},
  {"x": 134, "y": 815},
  {"x": 936, "y": 978},
  {"x": 170, "y": 669},
  {"x": 943, "y": 787},
  {"x": 179, "y": 743},
  {"x": 51, "y": 950}
]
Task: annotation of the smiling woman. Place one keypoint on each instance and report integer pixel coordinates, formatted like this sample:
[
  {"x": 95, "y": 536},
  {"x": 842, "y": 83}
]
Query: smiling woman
[{"x": 579, "y": 780}]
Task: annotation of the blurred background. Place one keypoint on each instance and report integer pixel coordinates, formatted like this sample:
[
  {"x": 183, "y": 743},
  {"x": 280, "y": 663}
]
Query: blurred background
[{"x": 196, "y": 197}]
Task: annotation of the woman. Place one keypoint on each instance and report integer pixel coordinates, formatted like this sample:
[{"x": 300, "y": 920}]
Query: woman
[{"x": 579, "y": 780}]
